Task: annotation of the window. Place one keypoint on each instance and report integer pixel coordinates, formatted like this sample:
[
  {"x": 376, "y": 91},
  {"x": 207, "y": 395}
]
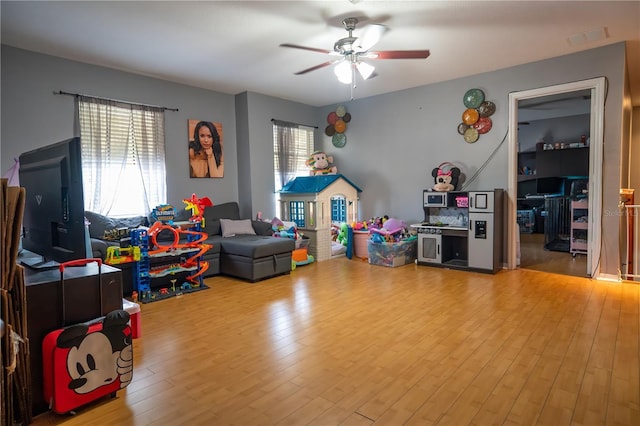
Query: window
[
  {"x": 292, "y": 145},
  {"x": 123, "y": 158},
  {"x": 296, "y": 208},
  {"x": 338, "y": 209}
]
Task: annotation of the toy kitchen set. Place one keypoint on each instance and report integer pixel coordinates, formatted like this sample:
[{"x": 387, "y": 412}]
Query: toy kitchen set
[{"x": 462, "y": 230}]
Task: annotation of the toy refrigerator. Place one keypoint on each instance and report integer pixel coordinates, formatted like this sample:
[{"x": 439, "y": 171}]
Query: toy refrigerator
[{"x": 485, "y": 230}]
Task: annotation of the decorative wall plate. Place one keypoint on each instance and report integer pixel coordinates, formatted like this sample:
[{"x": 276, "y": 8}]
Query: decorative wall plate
[
  {"x": 483, "y": 125},
  {"x": 462, "y": 127},
  {"x": 486, "y": 109},
  {"x": 339, "y": 140},
  {"x": 473, "y": 98},
  {"x": 471, "y": 135},
  {"x": 470, "y": 116}
]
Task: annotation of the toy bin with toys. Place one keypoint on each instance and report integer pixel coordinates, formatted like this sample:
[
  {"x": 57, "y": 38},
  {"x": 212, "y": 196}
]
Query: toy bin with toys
[{"x": 392, "y": 254}]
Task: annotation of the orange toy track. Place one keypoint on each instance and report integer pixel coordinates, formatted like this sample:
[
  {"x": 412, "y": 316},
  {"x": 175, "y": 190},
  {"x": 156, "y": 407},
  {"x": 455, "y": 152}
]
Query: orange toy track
[{"x": 158, "y": 227}]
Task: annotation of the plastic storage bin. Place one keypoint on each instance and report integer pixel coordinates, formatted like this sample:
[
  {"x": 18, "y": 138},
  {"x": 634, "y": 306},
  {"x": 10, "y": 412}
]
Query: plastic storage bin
[{"x": 392, "y": 254}]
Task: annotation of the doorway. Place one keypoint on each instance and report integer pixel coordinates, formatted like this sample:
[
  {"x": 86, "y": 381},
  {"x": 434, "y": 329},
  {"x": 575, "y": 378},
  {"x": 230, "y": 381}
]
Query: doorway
[
  {"x": 596, "y": 89},
  {"x": 553, "y": 175}
]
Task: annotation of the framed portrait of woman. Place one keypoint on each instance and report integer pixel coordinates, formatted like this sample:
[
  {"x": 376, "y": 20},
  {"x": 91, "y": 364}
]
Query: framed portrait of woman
[{"x": 206, "y": 159}]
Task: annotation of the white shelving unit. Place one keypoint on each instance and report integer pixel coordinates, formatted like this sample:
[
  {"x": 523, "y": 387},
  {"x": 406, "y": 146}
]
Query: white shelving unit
[{"x": 579, "y": 226}]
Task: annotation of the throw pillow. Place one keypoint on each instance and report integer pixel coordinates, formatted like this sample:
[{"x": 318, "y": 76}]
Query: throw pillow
[
  {"x": 232, "y": 228},
  {"x": 262, "y": 228}
]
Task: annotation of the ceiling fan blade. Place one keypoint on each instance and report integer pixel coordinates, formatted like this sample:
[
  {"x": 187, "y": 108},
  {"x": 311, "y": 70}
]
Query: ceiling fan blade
[
  {"x": 322, "y": 65},
  {"x": 370, "y": 36},
  {"x": 313, "y": 49},
  {"x": 400, "y": 54}
]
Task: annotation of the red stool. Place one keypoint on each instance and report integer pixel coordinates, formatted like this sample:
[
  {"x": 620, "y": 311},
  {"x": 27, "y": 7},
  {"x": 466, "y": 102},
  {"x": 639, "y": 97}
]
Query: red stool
[{"x": 135, "y": 317}]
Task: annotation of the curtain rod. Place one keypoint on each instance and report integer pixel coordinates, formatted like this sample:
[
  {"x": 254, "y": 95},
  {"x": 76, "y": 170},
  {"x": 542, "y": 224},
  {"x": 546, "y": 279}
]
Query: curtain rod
[
  {"x": 60, "y": 92},
  {"x": 273, "y": 120}
]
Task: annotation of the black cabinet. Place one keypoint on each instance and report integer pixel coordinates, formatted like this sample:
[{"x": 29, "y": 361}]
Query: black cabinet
[
  {"x": 553, "y": 163},
  {"x": 562, "y": 162},
  {"x": 82, "y": 303}
]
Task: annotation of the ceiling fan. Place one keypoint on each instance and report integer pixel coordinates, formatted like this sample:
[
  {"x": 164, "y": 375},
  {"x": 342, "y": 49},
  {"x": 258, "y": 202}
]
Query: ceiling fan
[{"x": 352, "y": 50}]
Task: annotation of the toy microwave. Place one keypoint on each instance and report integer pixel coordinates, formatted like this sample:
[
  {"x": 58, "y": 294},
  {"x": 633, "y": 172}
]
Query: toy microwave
[{"x": 434, "y": 199}]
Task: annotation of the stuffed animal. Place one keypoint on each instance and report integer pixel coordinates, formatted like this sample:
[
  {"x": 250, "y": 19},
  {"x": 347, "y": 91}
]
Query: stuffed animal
[
  {"x": 391, "y": 230},
  {"x": 319, "y": 163},
  {"x": 343, "y": 234},
  {"x": 445, "y": 180},
  {"x": 359, "y": 226}
]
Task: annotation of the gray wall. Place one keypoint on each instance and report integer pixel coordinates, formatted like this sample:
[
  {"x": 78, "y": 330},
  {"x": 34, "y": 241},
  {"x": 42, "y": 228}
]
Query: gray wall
[
  {"x": 562, "y": 130},
  {"x": 260, "y": 109},
  {"x": 393, "y": 140},
  {"x": 32, "y": 116}
]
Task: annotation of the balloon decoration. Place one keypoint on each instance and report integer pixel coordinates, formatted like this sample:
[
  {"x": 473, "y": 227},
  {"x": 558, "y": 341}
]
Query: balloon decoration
[
  {"x": 475, "y": 118},
  {"x": 338, "y": 120}
]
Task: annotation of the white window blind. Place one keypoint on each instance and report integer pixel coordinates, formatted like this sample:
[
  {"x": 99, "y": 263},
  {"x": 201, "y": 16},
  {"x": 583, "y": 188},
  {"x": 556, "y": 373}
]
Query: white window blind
[
  {"x": 292, "y": 146},
  {"x": 123, "y": 157}
]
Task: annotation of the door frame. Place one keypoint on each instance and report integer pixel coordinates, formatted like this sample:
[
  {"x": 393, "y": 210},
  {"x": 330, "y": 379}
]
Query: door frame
[{"x": 597, "y": 86}]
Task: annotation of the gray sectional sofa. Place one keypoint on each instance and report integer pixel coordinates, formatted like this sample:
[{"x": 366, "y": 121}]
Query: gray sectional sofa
[
  {"x": 241, "y": 248},
  {"x": 239, "y": 252}
]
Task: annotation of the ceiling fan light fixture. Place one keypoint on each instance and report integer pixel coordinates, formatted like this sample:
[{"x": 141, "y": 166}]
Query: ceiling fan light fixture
[
  {"x": 353, "y": 49},
  {"x": 365, "y": 69},
  {"x": 343, "y": 72}
]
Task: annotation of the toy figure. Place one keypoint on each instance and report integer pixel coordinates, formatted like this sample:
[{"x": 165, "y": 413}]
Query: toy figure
[
  {"x": 445, "y": 180},
  {"x": 342, "y": 237},
  {"x": 197, "y": 205},
  {"x": 319, "y": 163}
]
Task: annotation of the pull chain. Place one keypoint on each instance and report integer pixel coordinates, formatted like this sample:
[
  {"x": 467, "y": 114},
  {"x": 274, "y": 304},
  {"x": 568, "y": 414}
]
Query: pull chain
[{"x": 353, "y": 79}]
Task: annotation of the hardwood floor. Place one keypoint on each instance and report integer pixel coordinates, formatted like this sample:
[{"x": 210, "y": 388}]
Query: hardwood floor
[
  {"x": 342, "y": 342},
  {"x": 533, "y": 256}
]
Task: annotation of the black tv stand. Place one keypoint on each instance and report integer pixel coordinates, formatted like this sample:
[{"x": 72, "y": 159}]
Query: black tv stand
[{"x": 35, "y": 261}]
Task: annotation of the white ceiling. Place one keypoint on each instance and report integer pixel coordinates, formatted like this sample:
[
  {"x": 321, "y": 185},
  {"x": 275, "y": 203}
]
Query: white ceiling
[{"x": 233, "y": 46}]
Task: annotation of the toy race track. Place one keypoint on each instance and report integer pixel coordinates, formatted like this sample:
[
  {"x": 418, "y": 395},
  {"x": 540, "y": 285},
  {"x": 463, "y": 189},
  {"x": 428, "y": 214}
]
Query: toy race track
[{"x": 183, "y": 268}]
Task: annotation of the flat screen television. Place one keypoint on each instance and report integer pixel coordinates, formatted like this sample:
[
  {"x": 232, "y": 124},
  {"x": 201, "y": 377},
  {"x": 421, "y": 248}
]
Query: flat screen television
[{"x": 53, "y": 222}]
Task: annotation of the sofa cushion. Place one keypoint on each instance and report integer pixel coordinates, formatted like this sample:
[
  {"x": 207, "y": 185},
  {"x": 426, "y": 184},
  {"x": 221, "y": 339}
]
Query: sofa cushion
[
  {"x": 213, "y": 214},
  {"x": 256, "y": 246},
  {"x": 262, "y": 228},
  {"x": 215, "y": 242},
  {"x": 98, "y": 223},
  {"x": 212, "y": 227},
  {"x": 231, "y": 228}
]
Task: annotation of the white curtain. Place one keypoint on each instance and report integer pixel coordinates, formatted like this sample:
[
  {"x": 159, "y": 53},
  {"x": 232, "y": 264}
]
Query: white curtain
[
  {"x": 286, "y": 155},
  {"x": 123, "y": 156},
  {"x": 293, "y": 144}
]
